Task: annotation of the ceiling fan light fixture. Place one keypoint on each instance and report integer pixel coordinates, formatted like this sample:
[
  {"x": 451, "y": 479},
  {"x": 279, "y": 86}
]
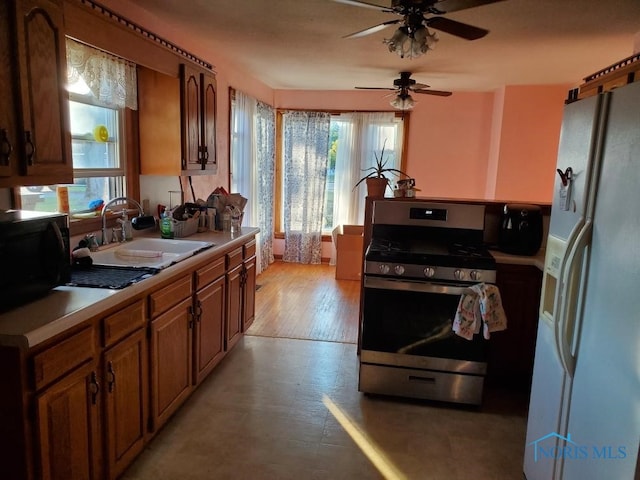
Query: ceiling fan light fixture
[
  {"x": 403, "y": 101},
  {"x": 411, "y": 42}
]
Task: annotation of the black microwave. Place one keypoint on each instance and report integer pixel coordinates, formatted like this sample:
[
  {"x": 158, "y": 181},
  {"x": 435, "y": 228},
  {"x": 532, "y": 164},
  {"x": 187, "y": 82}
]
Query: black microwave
[{"x": 34, "y": 255}]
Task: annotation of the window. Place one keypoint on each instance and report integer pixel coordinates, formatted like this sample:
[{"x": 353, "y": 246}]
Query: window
[
  {"x": 98, "y": 160},
  {"x": 355, "y": 138}
]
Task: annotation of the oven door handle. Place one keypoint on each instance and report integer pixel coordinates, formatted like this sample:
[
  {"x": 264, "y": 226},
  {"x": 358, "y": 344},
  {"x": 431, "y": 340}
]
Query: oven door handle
[{"x": 415, "y": 286}]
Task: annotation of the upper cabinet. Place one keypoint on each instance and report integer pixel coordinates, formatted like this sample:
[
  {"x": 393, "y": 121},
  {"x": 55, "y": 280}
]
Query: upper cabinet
[
  {"x": 177, "y": 122},
  {"x": 35, "y": 143}
]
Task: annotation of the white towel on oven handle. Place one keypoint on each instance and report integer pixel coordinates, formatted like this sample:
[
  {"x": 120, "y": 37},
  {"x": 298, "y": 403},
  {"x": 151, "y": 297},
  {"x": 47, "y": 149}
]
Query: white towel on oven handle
[
  {"x": 466, "y": 322},
  {"x": 480, "y": 303},
  {"x": 493, "y": 317}
]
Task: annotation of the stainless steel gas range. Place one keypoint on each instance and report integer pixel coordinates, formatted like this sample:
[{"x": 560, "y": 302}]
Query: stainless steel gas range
[{"x": 422, "y": 257}]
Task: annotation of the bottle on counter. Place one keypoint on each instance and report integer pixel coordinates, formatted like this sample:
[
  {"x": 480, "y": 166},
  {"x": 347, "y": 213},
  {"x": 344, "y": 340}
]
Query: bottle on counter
[
  {"x": 226, "y": 220},
  {"x": 166, "y": 225}
]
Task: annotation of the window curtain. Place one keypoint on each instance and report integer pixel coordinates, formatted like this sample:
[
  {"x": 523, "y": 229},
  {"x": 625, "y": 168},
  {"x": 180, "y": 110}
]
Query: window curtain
[
  {"x": 361, "y": 136},
  {"x": 111, "y": 80},
  {"x": 305, "y": 160},
  {"x": 253, "y": 168}
]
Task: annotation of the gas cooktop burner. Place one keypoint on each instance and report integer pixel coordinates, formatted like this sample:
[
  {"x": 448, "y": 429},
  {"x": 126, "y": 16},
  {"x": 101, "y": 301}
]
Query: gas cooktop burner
[{"x": 459, "y": 249}]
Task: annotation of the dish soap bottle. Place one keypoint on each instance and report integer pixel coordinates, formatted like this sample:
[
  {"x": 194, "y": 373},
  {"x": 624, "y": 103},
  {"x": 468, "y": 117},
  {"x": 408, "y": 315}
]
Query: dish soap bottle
[
  {"x": 127, "y": 228},
  {"x": 166, "y": 225}
]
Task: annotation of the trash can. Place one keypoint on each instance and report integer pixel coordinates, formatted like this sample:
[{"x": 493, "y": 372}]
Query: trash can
[{"x": 349, "y": 250}]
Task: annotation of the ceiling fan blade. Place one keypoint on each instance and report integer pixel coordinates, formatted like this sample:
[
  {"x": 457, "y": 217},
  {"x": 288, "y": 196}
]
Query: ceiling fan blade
[
  {"x": 459, "y": 29},
  {"x": 370, "y": 30},
  {"x": 374, "y": 88},
  {"x": 418, "y": 86},
  {"x": 440, "y": 93},
  {"x": 447, "y": 6},
  {"x": 356, "y": 3}
]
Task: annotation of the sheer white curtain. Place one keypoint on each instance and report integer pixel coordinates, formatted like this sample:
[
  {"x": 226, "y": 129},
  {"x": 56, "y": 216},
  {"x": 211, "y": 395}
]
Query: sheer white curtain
[
  {"x": 253, "y": 167},
  {"x": 305, "y": 160},
  {"x": 360, "y": 135},
  {"x": 111, "y": 80}
]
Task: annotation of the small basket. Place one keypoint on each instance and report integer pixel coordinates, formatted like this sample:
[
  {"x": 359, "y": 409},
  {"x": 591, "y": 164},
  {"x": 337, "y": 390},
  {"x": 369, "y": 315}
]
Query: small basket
[{"x": 185, "y": 228}]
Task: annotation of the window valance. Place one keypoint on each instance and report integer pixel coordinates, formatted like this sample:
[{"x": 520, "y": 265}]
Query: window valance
[{"x": 110, "y": 79}]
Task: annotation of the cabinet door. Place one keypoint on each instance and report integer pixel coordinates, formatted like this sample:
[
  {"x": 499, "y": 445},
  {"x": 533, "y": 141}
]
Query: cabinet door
[
  {"x": 511, "y": 352},
  {"x": 209, "y": 159},
  {"x": 68, "y": 436},
  {"x": 46, "y": 139},
  {"x": 234, "y": 306},
  {"x": 209, "y": 333},
  {"x": 191, "y": 117},
  {"x": 249, "y": 293},
  {"x": 171, "y": 359},
  {"x": 125, "y": 394},
  {"x": 8, "y": 136}
]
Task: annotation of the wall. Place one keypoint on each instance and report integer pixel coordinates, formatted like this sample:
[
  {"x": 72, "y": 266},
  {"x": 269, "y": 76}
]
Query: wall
[{"x": 529, "y": 129}]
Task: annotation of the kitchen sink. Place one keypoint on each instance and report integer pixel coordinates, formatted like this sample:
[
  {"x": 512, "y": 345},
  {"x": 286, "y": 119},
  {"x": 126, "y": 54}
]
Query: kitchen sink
[{"x": 148, "y": 252}]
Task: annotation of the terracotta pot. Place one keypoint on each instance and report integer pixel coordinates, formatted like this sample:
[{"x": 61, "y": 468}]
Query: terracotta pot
[{"x": 376, "y": 187}]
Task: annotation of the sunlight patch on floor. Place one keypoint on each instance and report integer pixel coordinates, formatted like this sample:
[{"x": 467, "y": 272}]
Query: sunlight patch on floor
[{"x": 375, "y": 455}]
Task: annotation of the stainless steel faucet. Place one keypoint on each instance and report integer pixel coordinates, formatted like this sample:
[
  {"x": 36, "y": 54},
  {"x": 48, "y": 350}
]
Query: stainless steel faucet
[{"x": 105, "y": 238}]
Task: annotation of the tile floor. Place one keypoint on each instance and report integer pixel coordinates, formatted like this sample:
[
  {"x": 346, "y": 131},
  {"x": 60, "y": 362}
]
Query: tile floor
[{"x": 260, "y": 415}]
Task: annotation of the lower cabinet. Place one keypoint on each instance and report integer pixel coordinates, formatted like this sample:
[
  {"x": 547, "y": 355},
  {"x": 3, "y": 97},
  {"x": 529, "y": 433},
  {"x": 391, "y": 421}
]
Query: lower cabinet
[
  {"x": 68, "y": 419},
  {"x": 100, "y": 393},
  {"x": 248, "y": 293},
  {"x": 209, "y": 328},
  {"x": 234, "y": 306},
  {"x": 511, "y": 352},
  {"x": 125, "y": 396},
  {"x": 171, "y": 360}
]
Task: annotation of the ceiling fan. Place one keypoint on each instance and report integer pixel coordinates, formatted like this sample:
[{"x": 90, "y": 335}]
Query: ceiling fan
[
  {"x": 403, "y": 86},
  {"x": 413, "y": 38}
]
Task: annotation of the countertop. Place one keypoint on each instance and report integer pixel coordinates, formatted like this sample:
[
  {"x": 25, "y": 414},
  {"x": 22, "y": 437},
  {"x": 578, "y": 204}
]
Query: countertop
[
  {"x": 65, "y": 307},
  {"x": 536, "y": 260}
]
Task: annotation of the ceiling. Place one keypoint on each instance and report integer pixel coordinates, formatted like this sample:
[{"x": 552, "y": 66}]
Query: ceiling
[{"x": 299, "y": 44}]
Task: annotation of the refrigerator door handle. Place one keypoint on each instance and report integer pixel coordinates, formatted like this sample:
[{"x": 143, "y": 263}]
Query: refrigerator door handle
[{"x": 568, "y": 315}]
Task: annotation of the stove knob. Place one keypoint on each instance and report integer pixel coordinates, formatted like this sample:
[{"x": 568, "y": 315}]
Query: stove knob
[
  {"x": 475, "y": 275},
  {"x": 429, "y": 272},
  {"x": 458, "y": 274},
  {"x": 399, "y": 269},
  {"x": 384, "y": 268}
]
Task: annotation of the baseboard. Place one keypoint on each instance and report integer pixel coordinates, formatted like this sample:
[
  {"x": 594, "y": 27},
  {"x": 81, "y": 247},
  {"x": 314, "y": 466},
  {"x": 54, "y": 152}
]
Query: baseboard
[{"x": 324, "y": 260}]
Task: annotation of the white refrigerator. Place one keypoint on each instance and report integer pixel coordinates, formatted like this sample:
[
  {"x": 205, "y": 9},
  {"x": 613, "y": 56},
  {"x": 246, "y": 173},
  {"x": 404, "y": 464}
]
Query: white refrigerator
[{"x": 584, "y": 410}]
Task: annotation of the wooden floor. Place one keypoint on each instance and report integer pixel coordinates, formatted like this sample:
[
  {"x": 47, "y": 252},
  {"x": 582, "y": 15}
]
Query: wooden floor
[{"x": 306, "y": 302}]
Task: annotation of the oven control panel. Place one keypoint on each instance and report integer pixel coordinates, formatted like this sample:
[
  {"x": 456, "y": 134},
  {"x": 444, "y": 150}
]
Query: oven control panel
[{"x": 429, "y": 272}]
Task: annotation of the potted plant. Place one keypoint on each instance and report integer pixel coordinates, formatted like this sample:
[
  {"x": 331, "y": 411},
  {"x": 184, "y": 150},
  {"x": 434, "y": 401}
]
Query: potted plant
[{"x": 377, "y": 179}]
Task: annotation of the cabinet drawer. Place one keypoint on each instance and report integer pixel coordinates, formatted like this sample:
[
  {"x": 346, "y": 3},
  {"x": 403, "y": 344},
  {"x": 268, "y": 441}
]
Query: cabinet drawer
[
  {"x": 234, "y": 258},
  {"x": 249, "y": 249},
  {"x": 122, "y": 323},
  {"x": 63, "y": 357},
  {"x": 208, "y": 274},
  {"x": 165, "y": 298}
]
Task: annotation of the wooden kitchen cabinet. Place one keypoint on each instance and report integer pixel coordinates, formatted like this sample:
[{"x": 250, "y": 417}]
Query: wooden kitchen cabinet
[
  {"x": 68, "y": 436},
  {"x": 511, "y": 352},
  {"x": 234, "y": 297},
  {"x": 125, "y": 387},
  {"x": 249, "y": 292},
  {"x": 177, "y": 122},
  {"x": 171, "y": 360},
  {"x": 35, "y": 140},
  {"x": 209, "y": 334}
]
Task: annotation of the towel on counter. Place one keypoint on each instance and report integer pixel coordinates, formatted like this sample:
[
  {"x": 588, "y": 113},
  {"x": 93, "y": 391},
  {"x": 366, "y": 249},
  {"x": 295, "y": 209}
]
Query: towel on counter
[{"x": 481, "y": 303}]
